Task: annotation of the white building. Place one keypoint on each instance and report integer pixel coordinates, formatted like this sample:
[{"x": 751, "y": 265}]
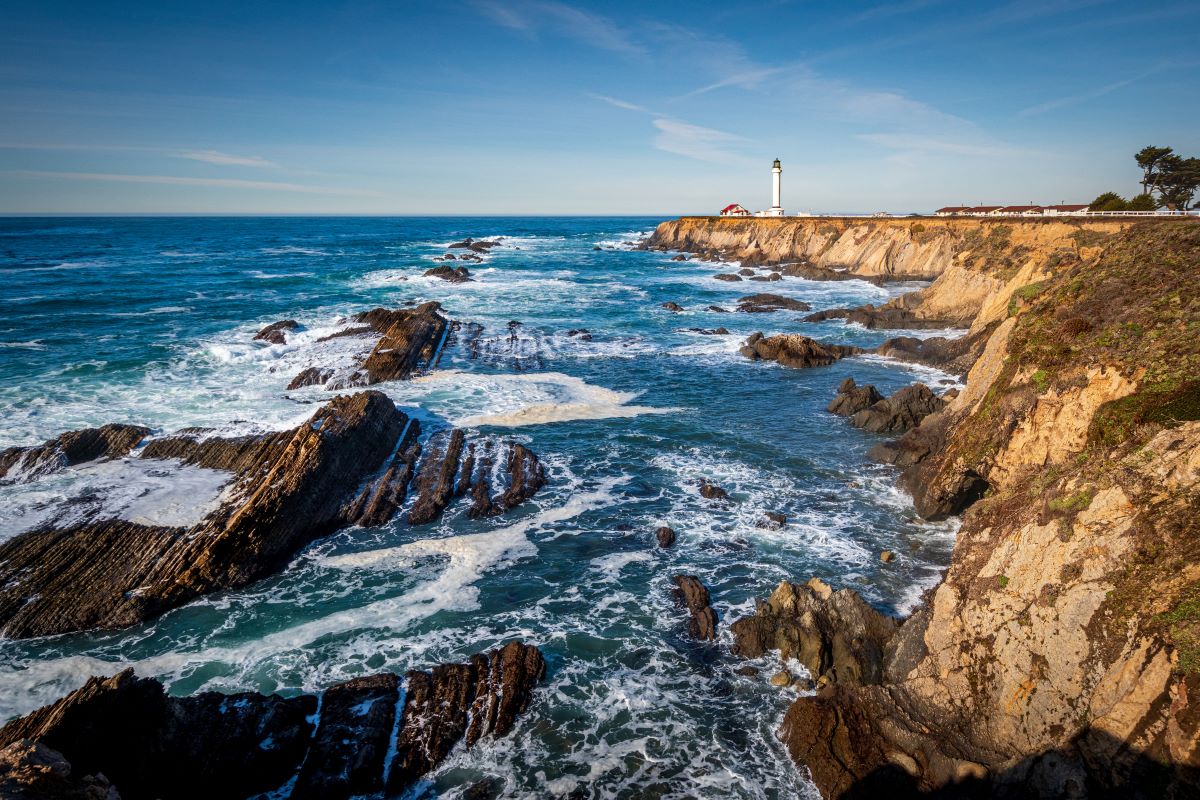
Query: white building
[{"x": 776, "y": 209}]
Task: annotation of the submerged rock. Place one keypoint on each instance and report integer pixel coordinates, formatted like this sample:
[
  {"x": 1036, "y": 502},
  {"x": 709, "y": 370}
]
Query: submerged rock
[
  {"x": 767, "y": 303},
  {"x": 313, "y": 376},
  {"x": 449, "y": 274},
  {"x": 672, "y": 306},
  {"x": 727, "y": 276},
  {"x": 710, "y": 491},
  {"x": 794, "y": 350},
  {"x": 276, "y": 332},
  {"x": 692, "y": 594},
  {"x": 70, "y": 449},
  {"x": 665, "y": 536},
  {"x": 852, "y": 398},
  {"x": 127, "y": 730}
]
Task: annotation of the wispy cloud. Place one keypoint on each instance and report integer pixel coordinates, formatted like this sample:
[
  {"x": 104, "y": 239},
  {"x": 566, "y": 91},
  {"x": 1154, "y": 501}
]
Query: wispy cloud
[
  {"x": 179, "y": 180},
  {"x": 532, "y": 16},
  {"x": 694, "y": 141},
  {"x": 613, "y": 101},
  {"x": 225, "y": 159}
]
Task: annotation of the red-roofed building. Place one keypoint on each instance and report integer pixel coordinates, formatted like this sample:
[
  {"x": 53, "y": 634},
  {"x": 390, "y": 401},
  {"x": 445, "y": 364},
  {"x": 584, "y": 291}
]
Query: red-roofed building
[
  {"x": 1072, "y": 209},
  {"x": 951, "y": 211},
  {"x": 982, "y": 211},
  {"x": 734, "y": 210},
  {"x": 1021, "y": 211}
]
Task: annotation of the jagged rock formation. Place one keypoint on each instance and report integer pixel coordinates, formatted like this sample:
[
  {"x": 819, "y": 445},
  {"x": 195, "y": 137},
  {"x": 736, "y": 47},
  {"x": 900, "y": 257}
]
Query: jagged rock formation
[
  {"x": 1060, "y": 656},
  {"x": 665, "y": 536},
  {"x": 408, "y": 339},
  {"x": 690, "y": 593},
  {"x": 449, "y": 274},
  {"x": 151, "y": 745},
  {"x": 887, "y": 317},
  {"x": 952, "y": 355},
  {"x": 351, "y": 463},
  {"x": 32, "y": 771},
  {"x": 276, "y": 332},
  {"x": 852, "y": 398},
  {"x": 69, "y": 449},
  {"x": 835, "y": 635},
  {"x": 976, "y": 264},
  {"x": 794, "y": 350},
  {"x": 900, "y": 412},
  {"x": 766, "y": 303}
]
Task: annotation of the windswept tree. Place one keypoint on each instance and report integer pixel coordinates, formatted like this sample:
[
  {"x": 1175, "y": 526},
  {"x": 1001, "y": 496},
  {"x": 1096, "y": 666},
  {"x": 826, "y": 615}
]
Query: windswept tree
[
  {"x": 1179, "y": 181},
  {"x": 1109, "y": 201},
  {"x": 1151, "y": 160}
]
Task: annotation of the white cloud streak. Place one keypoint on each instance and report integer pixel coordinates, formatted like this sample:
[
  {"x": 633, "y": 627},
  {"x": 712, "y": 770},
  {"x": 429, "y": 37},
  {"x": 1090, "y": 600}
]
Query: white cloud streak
[
  {"x": 561, "y": 19},
  {"x": 226, "y": 160},
  {"x": 694, "y": 141},
  {"x": 179, "y": 180}
]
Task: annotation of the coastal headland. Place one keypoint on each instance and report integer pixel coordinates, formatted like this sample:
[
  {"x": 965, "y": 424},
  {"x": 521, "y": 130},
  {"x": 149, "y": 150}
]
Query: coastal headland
[{"x": 1060, "y": 655}]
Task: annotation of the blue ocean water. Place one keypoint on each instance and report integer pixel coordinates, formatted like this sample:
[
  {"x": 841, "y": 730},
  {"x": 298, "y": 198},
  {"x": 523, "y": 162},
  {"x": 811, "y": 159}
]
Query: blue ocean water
[{"x": 151, "y": 321}]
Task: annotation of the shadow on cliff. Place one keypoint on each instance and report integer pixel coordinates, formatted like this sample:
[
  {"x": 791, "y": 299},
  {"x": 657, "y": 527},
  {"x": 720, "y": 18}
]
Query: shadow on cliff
[{"x": 1095, "y": 766}]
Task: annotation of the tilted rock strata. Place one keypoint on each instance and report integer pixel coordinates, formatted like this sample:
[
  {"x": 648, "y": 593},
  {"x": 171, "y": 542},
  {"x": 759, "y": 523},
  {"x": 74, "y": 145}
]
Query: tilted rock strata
[
  {"x": 794, "y": 350},
  {"x": 852, "y": 398},
  {"x": 150, "y": 745},
  {"x": 899, "y": 412},
  {"x": 351, "y": 463},
  {"x": 70, "y": 449}
]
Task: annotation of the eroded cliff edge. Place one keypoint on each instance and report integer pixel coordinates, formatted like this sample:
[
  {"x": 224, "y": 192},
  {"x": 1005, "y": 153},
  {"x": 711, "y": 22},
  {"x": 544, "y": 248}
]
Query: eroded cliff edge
[
  {"x": 975, "y": 264},
  {"x": 1060, "y": 656}
]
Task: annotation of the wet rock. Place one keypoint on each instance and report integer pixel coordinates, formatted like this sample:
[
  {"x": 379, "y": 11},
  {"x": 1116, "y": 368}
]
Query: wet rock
[
  {"x": 746, "y": 272},
  {"x": 447, "y": 257},
  {"x": 680, "y": 257},
  {"x": 471, "y": 258},
  {"x": 767, "y": 303},
  {"x": 900, "y": 412},
  {"x": 313, "y": 376},
  {"x": 672, "y": 306},
  {"x": 710, "y": 491},
  {"x": 70, "y": 449},
  {"x": 852, "y": 398},
  {"x": 886, "y": 317},
  {"x": 953, "y": 355},
  {"x": 771, "y": 521},
  {"x": 455, "y": 702},
  {"x": 581, "y": 334},
  {"x": 794, "y": 350},
  {"x": 692, "y": 594},
  {"x": 288, "y": 490},
  {"x": 31, "y": 771},
  {"x": 383, "y": 495},
  {"x": 665, "y": 536},
  {"x": 727, "y": 276},
  {"x": 718, "y": 310},
  {"x": 348, "y": 750},
  {"x": 475, "y": 246},
  {"x": 151, "y": 745},
  {"x": 276, "y": 332},
  {"x": 145, "y": 742},
  {"x": 435, "y": 477},
  {"x": 887, "y": 556},
  {"x": 781, "y": 679},
  {"x": 525, "y": 476},
  {"x": 833, "y": 634},
  {"x": 449, "y": 274},
  {"x": 359, "y": 330},
  {"x": 746, "y": 671},
  {"x": 772, "y": 276},
  {"x": 815, "y": 273},
  {"x": 710, "y": 331}
]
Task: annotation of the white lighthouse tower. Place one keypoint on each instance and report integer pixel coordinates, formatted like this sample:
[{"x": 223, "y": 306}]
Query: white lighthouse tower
[{"x": 776, "y": 209}]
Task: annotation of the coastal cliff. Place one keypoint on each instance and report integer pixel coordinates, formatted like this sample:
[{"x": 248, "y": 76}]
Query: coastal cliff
[
  {"x": 975, "y": 264},
  {"x": 1060, "y": 655}
]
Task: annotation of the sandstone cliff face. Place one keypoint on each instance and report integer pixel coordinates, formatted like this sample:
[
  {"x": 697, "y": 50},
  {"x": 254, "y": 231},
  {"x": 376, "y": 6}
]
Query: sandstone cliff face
[
  {"x": 1060, "y": 657},
  {"x": 973, "y": 262}
]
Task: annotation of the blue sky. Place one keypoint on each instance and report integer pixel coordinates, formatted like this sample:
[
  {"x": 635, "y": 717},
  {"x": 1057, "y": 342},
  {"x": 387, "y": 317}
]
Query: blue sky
[{"x": 548, "y": 107}]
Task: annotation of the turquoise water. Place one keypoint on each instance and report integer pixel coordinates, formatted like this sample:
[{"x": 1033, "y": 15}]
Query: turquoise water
[{"x": 150, "y": 321}]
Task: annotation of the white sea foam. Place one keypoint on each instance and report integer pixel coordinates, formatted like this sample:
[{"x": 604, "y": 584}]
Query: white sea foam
[
  {"x": 146, "y": 491},
  {"x": 537, "y": 398}
]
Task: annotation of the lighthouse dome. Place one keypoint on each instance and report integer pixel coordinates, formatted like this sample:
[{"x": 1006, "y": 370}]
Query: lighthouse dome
[{"x": 776, "y": 164}]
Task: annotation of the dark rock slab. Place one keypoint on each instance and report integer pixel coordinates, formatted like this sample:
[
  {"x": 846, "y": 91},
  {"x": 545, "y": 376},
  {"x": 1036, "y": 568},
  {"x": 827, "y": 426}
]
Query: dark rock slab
[
  {"x": 289, "y": 490},
  {"x": 885, "y": 317},
  {"x": 32, "y": 771},
  {"x": 409, "y": 339},
  {"x": 728, "y": 277},
  {"x": 383, "y": 496},
  {"x": 435, "y": 476},
  {"x": 794, "y": 350},
  {"x": 70, "y": 449},
  {"x": 350, "y": 746},
  {"x": 672, "y": 306},
  {"x": 455, "y": 702},
  {"x": 852, "y": 398},
  {"x": 313, "y": 376},
  {"x": 710, "y": 491},
  {"x": 276, "y": 332},
  {"x": 693, "y": 595}
]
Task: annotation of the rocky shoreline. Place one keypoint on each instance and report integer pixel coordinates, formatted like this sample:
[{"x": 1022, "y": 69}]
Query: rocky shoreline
[{"x": 1058, "y": 656}]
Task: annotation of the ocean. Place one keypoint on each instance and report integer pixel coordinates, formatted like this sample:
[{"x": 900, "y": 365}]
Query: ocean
[{"x": 150, "y": 321}]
